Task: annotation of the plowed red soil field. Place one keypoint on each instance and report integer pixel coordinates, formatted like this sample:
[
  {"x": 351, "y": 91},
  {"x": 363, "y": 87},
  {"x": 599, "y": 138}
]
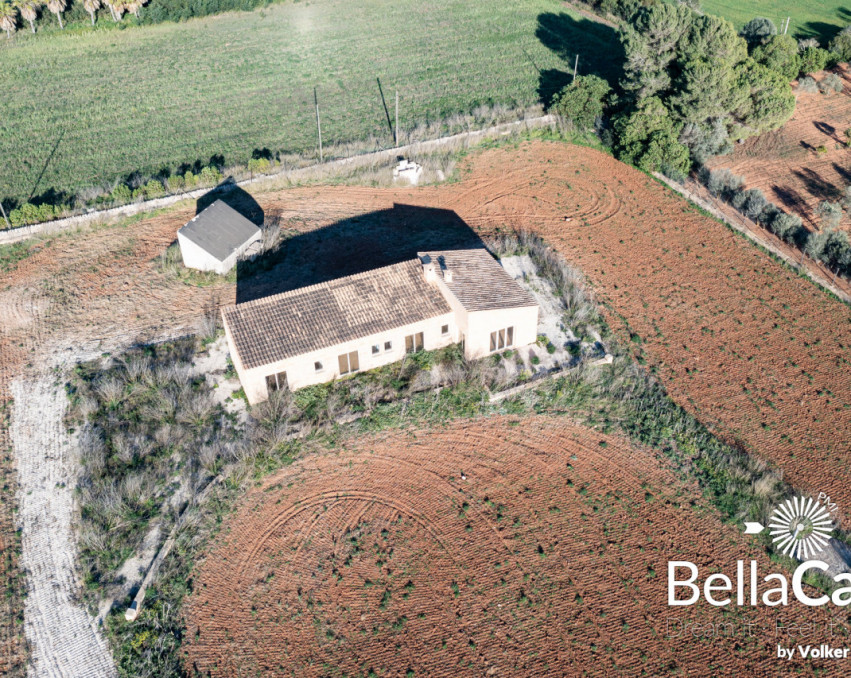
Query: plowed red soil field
[
  {"x": 786, "y": 164},
  {"x": 547, "y": 558}
]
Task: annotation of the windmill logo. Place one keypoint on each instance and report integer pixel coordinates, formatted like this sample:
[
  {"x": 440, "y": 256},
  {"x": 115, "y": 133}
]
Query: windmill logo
[{"x": 800, "y": 527}]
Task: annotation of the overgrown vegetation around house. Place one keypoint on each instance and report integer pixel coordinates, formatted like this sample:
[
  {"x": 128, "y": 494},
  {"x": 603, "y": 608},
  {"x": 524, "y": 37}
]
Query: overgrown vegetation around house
[{"x": 150, "y": 436}]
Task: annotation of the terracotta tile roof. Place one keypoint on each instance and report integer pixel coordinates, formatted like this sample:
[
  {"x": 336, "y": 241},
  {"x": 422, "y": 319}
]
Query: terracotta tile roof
[
  {"x": 220, "y": 230},
  {"x": 479, "y": 281},
  {"x": 319, "y": 316}
]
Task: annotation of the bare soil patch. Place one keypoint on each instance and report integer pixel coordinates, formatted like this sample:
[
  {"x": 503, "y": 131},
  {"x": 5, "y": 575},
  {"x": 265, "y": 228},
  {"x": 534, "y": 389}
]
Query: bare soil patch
[
  {"x": 547, "y": 557},
  {"x": 805, "y": 161}
]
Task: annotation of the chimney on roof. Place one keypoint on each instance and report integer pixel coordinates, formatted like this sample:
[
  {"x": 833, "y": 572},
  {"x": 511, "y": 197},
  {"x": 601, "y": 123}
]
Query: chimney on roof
[
  {"x": 447, "y": 275},
  {"x": 429, "y": 268}
]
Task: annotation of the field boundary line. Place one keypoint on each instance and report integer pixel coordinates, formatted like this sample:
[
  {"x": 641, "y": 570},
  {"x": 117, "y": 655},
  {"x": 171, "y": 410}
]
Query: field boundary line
[
  {"x": 751, "y": 235},
  {"x": 19, "y": 233}
]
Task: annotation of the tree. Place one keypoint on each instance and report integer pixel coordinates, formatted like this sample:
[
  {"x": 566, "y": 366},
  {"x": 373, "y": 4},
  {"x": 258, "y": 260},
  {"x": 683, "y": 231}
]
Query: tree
[
  {"x": 28, "y": 10},
  {"x": 757, "y": 31},
  {"x": 769, "y": 102},
  {"x": 133, "y": 6},
  {"x": 57, "y": 7},
  {"x": 8, "y": 18},
  {"x": 650, "y": 44},
  {"x": 116, "y": 8},
  {"x": 582, "y": 101},
  {"x": 648, "y": 138},
  {"x": 91, "y": 6},
  {"x": 841, "y": 44},
  {"x": 779, "y": 54},
  {"x": 813, "y": 59}
]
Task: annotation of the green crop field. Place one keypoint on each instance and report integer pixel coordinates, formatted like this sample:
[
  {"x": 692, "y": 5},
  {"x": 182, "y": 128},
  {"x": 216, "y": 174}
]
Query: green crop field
[
  {"x": 820, "y": 19},
  {"x": 85, "y": 108}
]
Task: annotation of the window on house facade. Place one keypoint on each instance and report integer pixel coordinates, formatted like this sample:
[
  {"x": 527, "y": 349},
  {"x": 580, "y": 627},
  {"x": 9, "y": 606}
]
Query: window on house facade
[
  {"x": 376, "y": 349},
  {"x": 348, "y": 362},
  {"x": 317, "y": 366},
  {"x": 502, "y": 339},
  {"x": 276, "y": 382},
  {"x": 444, "y": 330},
  {"x": 414, "y": 342},
  {"x": 388, "y": 345}
]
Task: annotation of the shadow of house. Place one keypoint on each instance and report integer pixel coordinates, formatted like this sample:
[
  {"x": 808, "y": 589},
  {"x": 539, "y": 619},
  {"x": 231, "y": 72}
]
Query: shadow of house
[
  {"x": 233, "y": 196},
  {"x": 598, "y": 46},
  {"x": 352, "y": 246}
]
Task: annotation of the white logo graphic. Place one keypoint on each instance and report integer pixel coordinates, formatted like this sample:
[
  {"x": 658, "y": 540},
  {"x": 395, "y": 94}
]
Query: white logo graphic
[{"x": 800, "y": 527}]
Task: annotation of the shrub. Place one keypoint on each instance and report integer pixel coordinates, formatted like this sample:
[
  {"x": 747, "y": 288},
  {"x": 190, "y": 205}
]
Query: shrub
[
  {"x": 808, "y": 85},
  {"x": 821, "y": 150},
  {"x": 829, "y": 213},
  {"x": 787, "y": 227},
  {"x": 846, "y": 198},
  {"x": 754, "y": 203},
  {"x": 831, "y": 248},
  {"x": 210, "y": 176},
  {"x": 154, "y": 189},
  {"x": 813, "y": 59},
  {"x": 704, "y": 142},
  {"x": 831, "y": 83},
  {"x": 757, "y": 31},
  {"x": 259, "y": 165},
  {"x": 121, "y": 194},
  {"x": 723, "y": 183},
  {"x": 581, "y": 102},
  {"x": 841, "y": 45}
]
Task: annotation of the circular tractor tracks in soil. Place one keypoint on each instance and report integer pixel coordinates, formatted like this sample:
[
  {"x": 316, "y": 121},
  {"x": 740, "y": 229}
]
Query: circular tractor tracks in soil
[{"x": 546, "y": 557}]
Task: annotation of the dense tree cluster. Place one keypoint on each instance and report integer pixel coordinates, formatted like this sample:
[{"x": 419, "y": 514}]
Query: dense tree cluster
[{"x": 691, "y": 85}]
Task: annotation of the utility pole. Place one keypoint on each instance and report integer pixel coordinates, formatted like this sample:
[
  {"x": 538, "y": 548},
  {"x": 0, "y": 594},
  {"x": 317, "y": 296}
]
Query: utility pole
[
  {"x": 396, "y": 128},
  {"x": 318, "y": 126},
  {"x": 575, "y": 66},
  {"x": 8, "y": 225},
  {"x": 785, "y": 30}
]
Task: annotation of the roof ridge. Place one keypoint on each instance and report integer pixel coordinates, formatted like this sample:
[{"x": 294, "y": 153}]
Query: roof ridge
[{"x": 310, "y": 288}]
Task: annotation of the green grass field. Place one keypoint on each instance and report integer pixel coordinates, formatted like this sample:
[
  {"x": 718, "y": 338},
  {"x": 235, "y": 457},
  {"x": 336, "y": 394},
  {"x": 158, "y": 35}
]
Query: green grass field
[
  {"x": 820, "y": 19},
  {"x": 94, "y": 106}
]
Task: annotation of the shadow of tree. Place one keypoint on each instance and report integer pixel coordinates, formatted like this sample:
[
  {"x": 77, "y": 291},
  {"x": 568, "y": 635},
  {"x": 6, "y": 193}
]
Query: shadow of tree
[
  {"x": 817, "y": 186},
  {"x": 820, "y": 30},
  {"x": 598, "y": 46},
  {"x": 791, "y": 199},
  {"x": 827, "y": 129},
  {"x": 844, "y": 172},
  {"x": 352, "y": 246}
]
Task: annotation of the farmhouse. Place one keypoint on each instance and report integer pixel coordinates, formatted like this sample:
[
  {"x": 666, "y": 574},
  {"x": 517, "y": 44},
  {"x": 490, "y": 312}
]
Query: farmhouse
[
  {"x": 216, "y": 238},
  {"x": 329, "y": 330}
]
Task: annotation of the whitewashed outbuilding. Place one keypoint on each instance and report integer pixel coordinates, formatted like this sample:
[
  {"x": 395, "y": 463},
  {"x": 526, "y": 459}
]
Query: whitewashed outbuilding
[{"x": 216, "y": 238}]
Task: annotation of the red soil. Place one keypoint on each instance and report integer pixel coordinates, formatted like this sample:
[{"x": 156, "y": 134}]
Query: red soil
[
  {"x": 786, "y": 163},
  {"x": 549, "y": 559}
]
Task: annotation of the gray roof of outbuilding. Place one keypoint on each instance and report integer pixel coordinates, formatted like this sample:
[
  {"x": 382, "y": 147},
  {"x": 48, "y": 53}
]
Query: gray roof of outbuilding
[
  {"x": 292, "y": 323},
  {"x": 479, "y": 281},
  {"x": 219, "y": 230}
]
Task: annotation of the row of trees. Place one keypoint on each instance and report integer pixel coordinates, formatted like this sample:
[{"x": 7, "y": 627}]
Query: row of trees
[{"x": 29, "y": 11}]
